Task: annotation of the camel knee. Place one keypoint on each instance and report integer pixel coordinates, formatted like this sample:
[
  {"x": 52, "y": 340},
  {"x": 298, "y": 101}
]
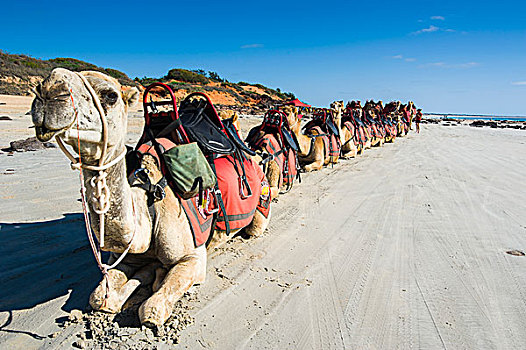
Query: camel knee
[
  {"x": 258, "y": 225},
  {"x": 183, "y": 275},
  {"x": 105, "y": 297}
]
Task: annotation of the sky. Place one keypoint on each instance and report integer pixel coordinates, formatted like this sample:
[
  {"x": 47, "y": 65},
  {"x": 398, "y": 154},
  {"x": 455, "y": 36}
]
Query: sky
[{"x": 447, "y": 56}]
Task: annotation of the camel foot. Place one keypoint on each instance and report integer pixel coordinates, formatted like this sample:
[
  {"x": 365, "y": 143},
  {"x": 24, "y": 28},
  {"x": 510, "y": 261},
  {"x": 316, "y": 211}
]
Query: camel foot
[
  {"x": 258, "y": 225},
  {"x": 111, "y": 304},
  {"x": 310, "y": 167},
  {"x": 274, "y": 192},
  {"x": 155, "y": 311}
]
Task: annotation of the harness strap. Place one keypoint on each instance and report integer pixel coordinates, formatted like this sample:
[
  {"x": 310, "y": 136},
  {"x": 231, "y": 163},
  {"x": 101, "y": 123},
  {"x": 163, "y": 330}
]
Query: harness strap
[
  {"x": 156, "y": 192},
  {"x": 219, "y": 197},
  {"x": 311, "y": 149},
  {"x": 346, "y": 142},
  {"x": 243, "y": 182},
  {"x": 271, "y": 156},
  {"x": 318, "y": 135},
  {"x": 170, "y": 127}
]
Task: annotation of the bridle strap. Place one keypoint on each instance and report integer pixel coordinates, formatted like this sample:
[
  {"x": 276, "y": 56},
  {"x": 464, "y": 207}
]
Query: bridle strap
[{"x": 98, "y": 182}]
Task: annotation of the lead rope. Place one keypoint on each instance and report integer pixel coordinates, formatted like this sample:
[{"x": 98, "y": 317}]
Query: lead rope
[{"x": 102, "y": 195}]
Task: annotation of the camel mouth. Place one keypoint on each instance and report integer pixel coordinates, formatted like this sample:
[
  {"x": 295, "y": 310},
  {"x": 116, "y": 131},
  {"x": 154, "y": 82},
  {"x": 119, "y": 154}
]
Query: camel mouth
[{"x": 44, "y": 134}]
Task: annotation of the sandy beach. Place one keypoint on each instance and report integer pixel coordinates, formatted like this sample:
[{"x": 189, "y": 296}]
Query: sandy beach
[{"x": 403, "y": 247}]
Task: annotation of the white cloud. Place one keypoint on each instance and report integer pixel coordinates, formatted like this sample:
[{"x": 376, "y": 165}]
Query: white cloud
[
  {"x": 401, "y": 57},
  {"x": 438, "y": 18},
  {"x": 433, "y": 28},
  {"x": 430, "y": 29},
  {"x": 436, "y": 64},
  {"x": 467, "y": 65},
  {"x": 252, "y": 46},
  {"x": 518, "y": 83},
  {"x": 450, "y": 65}
]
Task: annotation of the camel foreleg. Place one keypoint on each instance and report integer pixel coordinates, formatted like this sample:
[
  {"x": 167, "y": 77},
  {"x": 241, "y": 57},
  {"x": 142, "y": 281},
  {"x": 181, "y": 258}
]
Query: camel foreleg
[
  {"x": 319, "y": 157},
  {"x": 120, "y": 287},
  {"x": 273, "y": 174},
  {"x": 258, "y": 225},
  {"x": 183, "y": 275}
]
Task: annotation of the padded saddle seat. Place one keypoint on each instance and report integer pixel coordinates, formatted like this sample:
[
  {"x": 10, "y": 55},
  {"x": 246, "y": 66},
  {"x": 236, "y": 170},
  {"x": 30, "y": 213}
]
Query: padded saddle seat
[{"x": 201, "y": 129}]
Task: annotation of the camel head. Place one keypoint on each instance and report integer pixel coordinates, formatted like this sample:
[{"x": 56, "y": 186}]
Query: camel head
[
  {"x": 230, "y": 114},
  {"x": 64, "y": 107},
  {"x": 369, "y": 110},
  {"x": 292, "y": 114},
  {"x": 227, "y": 114},
  {"x": 338, "y": 106}
]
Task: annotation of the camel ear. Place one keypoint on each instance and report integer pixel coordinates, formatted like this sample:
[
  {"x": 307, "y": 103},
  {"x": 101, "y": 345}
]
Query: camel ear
[{"x": 131, "y": 96}]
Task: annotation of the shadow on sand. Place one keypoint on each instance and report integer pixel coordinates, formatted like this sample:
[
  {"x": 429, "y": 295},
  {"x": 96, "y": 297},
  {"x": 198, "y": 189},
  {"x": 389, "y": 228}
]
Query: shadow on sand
[{"x": 41, "y": 261}]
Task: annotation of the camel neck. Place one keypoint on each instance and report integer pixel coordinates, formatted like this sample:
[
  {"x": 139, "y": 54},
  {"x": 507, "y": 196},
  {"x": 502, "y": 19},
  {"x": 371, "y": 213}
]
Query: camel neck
[
  {"x": 304, "y": 142},
  {"x": 126, "y": 213}
]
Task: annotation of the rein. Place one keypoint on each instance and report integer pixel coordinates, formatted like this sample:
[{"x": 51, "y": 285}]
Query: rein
[{"x": 100, "y": 202}]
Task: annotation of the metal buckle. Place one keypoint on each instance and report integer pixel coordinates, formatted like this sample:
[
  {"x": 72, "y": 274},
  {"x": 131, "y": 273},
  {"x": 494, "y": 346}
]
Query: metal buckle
[
  {"x": 203, "y": 207},
  {"x": 141, "y": 174},
  {"x": 158, "y": 193},
  {"x": 242, "y": 181}
]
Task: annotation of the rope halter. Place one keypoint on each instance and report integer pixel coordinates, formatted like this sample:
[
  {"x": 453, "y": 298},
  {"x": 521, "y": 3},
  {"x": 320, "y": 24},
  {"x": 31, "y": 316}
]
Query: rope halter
[{"x": 100, "y": 201}]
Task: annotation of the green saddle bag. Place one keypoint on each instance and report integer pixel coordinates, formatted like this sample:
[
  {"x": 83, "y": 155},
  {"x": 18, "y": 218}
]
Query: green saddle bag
[{"x": 189, "y": 170}]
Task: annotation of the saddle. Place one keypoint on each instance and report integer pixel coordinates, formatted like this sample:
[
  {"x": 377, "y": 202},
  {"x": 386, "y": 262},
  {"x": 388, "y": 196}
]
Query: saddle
[
  {"x": 197, "y": 123},
  {"x": 355, "y": 125},
  {"x": 202, "y": 125},
  {"x": 275, "y": 122},
  {"x": 279, "y": 143},
  {"x": 323, "y": 119},
  {"x": 323, "y": 123}
]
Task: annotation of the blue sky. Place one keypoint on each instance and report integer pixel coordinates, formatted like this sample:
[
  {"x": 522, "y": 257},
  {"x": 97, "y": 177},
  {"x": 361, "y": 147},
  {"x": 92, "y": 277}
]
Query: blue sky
[{"x": 447, "y": 56}]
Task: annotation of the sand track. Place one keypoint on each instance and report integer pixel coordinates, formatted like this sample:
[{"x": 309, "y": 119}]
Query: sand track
[{"x": 401, "y": 248}]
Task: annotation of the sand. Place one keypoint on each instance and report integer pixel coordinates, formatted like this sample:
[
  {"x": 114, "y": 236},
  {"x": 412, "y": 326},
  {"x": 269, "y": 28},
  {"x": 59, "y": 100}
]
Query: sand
[{"x": 403, "y": 247}]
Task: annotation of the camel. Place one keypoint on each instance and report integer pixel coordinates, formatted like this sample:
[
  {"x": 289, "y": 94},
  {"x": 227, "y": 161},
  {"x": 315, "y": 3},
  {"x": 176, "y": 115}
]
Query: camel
[
  {"x": 396, "y": 110},
  {"x": 411, "y": 112},
  {"x": 272, "y": 156},
  {"x": 354, "y": 114},
  {"x": 88, "y": 111},
  {"x": 370, "y": 111},
  {"x": 393, "y": 112},
  {"x": 311, "y": 151},
  {"x": 349, "y": 148}
]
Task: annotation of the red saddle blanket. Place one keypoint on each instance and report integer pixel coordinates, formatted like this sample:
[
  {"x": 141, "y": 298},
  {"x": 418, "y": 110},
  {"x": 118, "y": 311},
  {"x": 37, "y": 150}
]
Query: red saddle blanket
[
  {"x": 200, "y": 222},
  {"x": 239, "y": 206},
  {"x": 286, "y": 159},
  {"x": 331, "y": 143},
  {"x": 355, "y": 132},
  {"x": 360, "y": 133}
]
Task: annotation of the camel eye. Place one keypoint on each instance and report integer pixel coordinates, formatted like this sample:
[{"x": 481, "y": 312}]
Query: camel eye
[{"x": 110, "y": 97}]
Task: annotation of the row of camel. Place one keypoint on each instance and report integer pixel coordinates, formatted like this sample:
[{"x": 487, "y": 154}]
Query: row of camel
[
  {"x": 358, "y": 128},
  {"x": 87, "y": 111}
]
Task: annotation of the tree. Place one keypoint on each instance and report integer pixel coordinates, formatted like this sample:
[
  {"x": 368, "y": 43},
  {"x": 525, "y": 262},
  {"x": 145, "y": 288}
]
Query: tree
[{"x": 215, "y": 77}]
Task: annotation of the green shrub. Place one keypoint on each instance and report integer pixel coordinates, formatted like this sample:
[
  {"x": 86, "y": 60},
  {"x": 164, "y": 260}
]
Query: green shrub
[{"x": 186, "y": 76}]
